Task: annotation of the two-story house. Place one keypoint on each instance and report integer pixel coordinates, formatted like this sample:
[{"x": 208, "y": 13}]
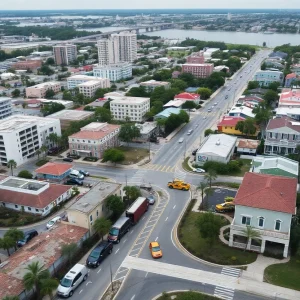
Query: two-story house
[
  {"x": 267, "y": 204},
  {"x": 282, "y": 136}
]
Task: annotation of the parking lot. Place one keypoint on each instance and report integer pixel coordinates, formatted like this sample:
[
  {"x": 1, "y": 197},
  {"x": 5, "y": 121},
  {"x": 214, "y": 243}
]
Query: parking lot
[{"x": 218, "y": 196}]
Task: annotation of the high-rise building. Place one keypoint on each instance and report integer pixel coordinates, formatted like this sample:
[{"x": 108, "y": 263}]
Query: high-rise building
[
  {"x": 5, "y": 107},
  {"x": 117, "y": 48},
  {"x": 64, "y": 54}
]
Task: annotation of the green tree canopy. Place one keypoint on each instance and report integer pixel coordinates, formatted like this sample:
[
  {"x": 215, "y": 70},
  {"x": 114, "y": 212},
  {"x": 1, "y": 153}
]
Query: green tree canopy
[
  {"x": 208, "y": 131},
  {"x": 25, "y": 174},
  {"x": 189, "y": 105},
  {"x": 246, "y": 127},
  {"x": 115, "y": 205},
  {"x": 103, "y": 114},
  {"x": 51, "y": 108},
  {"x": 270, "y": 97},
  {"x": 113, "y": 155},
  {"x": 49, "y": 94},
  {"x": 204, "y": 93},
  {"x": 15, "y": 234},
  {"x": 101, "y": 226},
  {"x": 252, "y": 85},
  {"x": 128, "y": 132},
  {"x": 15, "y": 93},
  {"x": 132, "y": 193},
  {"x": 12, "y": 165}
]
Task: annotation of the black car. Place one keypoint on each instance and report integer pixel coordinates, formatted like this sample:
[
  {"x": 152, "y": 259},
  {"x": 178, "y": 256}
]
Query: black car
[
  {"x": 28, "y": 236},
  {"x": 195, "y": 151},
  {"x": 74, "y": 181},
  {"x": 99, "y": 253},
  {"x": 84, "y": 173},
  {"x": 69, "y": 159}
]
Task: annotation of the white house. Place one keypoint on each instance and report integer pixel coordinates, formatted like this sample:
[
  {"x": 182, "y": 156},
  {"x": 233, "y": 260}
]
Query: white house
[{"x": 267, "y": 204}]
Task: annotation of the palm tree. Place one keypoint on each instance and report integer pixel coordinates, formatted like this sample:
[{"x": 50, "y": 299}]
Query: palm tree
[
  {"x": 15, "y": 234},
  {"x": 34, "y": 277},
  {"x": 210, "y": 176},
  {"x": 44, "y": 150},
  {"x": 53, "y": 138},
  {"x": 12, "y": 165},
  {"x": 250, "y": 233},
  {"x": 68, "y": 251},
  {"x": 48, "y": 286},
  {"x": 202, "y": 186},
  {"x": 11, "y": 298},
  {"x": 38, "y": 152},
  {"x": 101, "y": 226},
  {"x": 262, "y": 116},
  {"x": 6, "y": 243}
]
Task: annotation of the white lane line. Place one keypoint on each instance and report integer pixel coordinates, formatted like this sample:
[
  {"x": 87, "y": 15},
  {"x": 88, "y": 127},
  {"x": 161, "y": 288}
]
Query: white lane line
[
  {"x": 166, "y": 219},
  {"x": 153, "y": 221},
  {"x": 147, "y": 231},
  {"x": 99, "y": 271},
  {"x": 132, "y": 297},
  {"x": 139, "y": 243},
  {"x": 156, "y": 239},
  {"x": 146, "y": 275},
  {"x": 119, "y": 278},
  {"x": 122, "y": 271},
  {"x": 124, "y": 241},
  {"x": 148, "y": 226},
  {"x": 137, "y": 249},
  {"x": 80, "y": 291},
  {"x": 143, "y": 218},
  {"x": 131, "y": 232},
  {"x": 141, "y": 238},
  {"x": 174, "y": 206},
  {"x": 117, "y": 251}
]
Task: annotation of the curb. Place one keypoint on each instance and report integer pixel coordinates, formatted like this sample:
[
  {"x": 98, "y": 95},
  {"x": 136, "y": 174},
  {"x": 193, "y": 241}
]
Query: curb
[{"x": 181, "y": 291}]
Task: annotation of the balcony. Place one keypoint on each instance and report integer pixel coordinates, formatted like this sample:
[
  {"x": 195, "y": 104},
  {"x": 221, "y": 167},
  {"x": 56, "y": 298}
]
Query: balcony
[{"x": 281, "y": 143}]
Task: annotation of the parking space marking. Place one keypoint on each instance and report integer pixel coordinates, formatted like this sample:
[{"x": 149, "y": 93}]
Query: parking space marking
[
  {"x": 156, "y": 239},
  {"x": 80, "y": 292},
  {"x": 174, "y": 206},
  {"x": 166, "y": 219},
  {"x": 132, "y": 297},
  {"x": 131, "y": 232}
]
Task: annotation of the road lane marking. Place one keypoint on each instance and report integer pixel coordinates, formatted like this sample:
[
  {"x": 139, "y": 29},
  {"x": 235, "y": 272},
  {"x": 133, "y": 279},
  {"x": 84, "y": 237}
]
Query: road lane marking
[
  {"x": 143, "y": 217},
  {"x": 166, "y": 219},
  {"x": 156, "y": 239},
  {"x": 124, "y": 241},
  {"x": 80, "y": 292},
  {"x": 131, "y": 232},
  {"x": 117, "y": 251},
  {"x": 174, "y": 206},
  {"x": 132, "y": 297},
  {"x": 99, "y": 271},
  {"x": 146, "y": 275}
]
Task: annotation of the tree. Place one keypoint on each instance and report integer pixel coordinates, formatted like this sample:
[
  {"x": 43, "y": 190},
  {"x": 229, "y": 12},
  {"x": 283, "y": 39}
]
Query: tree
[
  {"x": 15, "y": 234},
  {"x": 50, "y": 61},
  {"x": 210, "y": 176},
  {"x": 49, "y": 94},
  {"x": 53, "y": 138},
  {"x": 113, "y": 155},
  {"x": 48, "y": 286},
  {"x": 208, "y": 131},
  {"x": 209, "y": 226},
  {"x": 184, "y": 117},
  {"x": 11, "y": 298},
  {"x": 262, "y": 116},
  {"x": 252, "y": 85},
  {"x": 46, "y": 70},
  {"x": 250, "y": 233},
  {"x": 204, "y": 93},
  {"x": 263, "y": 66},
  {"x": 44, "y": 150},
  {"x": 264, "y": 44},
  {"x": 246, "y": 127},
  {"x": 101, "y": 226},
  {"x": 34, "y": 277},
  {"x": 189, "y": 105},
  {"x": 179, "y": 84},
  {"x": 128, "y": 132},
  {"x": 67, "y": 95},
  {"x": 274, "y": 86},
  {"x": 205, "y": 190},
  {"x": 51, "y": 108},
  {"x": 25, "y": 174},
  {"x": 132, "y": 193},
  {"x": 6, "y": 243},
  {"x": 38, "y": 153},
  {"x": 270, "y": 97},
  {"x": 103, "y": 114},
  {"x": 15, "y": 93},
  {"x": 68, "y": 251},
  {"x": 115, "y": 205},
  {"x": 12, "y": 165}
]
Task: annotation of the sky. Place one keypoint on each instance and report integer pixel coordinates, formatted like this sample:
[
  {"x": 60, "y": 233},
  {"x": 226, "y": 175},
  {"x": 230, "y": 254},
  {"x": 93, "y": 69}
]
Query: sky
[{"x": 128, "y": 4}]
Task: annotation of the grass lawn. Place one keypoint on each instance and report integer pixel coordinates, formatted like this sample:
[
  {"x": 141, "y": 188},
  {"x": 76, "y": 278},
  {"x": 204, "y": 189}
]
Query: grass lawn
[
  {"x": 245, "y": 168},
  {"x": 133, "y": 155},
  {"x": 286, "y": 275},
  {"x": 187, "y": 296},
  {"x": 185, "y": 164},
  {"x": 218, "y": 253},
  {"x": 42, "y": 161},
  {"x": 178, "y": 54}
]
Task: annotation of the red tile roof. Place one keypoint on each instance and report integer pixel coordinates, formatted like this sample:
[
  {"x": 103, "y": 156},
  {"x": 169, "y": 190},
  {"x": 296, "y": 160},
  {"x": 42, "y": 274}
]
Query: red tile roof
[
  {"x": 291, "y": 75},
  {"x": 95, "y": 135},
  {"x": 38, "y": 201},
  {"x": 268, "y": 192},
  {"x": 249, "y": 144},
  {"x": 230, "y": 121},
  {"x": 10, "y": 286},
  {"x": 187, "y": 96},
  {"x": 52, "y": 168},
  {"x": 289, "y": 97},
  {"x": 283, "y": 122}
]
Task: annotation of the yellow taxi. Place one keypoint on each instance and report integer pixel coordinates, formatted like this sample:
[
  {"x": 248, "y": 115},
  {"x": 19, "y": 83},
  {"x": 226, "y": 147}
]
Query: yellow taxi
[
  {"x": 155, "y": 250},
  {"x": 225, "y": 207}
]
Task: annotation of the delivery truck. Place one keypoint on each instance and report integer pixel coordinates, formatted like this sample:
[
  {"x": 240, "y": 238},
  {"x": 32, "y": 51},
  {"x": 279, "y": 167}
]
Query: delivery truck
[{"x": 137, "y": 209}]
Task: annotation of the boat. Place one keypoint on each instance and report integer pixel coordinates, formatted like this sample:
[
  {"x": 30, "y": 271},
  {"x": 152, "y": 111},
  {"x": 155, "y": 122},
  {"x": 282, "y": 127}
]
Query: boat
[{"x": 268, "y": 32}]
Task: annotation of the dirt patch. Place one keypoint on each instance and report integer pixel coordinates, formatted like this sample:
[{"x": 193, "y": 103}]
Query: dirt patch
[
  {"x": 110, "y": 293},
  {"x": 133, "y": 155}
]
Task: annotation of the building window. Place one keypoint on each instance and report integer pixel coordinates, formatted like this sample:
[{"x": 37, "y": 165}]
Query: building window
[
  {"x": 36, "y": 210},
  {"x": 261, "y": 221},
  {"x": 29, "y": 208},
  {"x": 278, "y": 225},
  {"x": 16, "y": 206},
  {"x": 91, "y": 218},
  {"x": 97, "y": 213},
  {"x": 246, "y": 220}
]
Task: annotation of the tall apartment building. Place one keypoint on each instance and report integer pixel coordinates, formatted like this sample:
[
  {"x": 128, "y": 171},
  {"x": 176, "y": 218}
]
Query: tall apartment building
[
  {"x": 114, "y": 72},
  {"x": 64, "y": 54},
  {"x": 117, "y": 48},
  {"x": 21, "y": 136},
  {"x": 39, "y": 90},
  {"x": 5, "y": 107},
  {"x": 198, "y": 70},
  {"x": 133, "y": 108},
  {"x": 76, "y": 80}
]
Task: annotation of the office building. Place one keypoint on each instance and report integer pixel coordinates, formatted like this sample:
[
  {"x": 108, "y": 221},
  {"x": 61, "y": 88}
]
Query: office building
[
  {"x": 198, "y": 70},
  {"x": 5, "y": 107},
  {"x": 114, "y": 72},
  {"x": 196, "y": 58},
  {"x": 27, "y": 65},
  {"x": 39, "y": 90},
  {"x": 76, "y": 80},
  {"x": 133, "y": 108},
  {"x": 150, "y": 85},
  {"x": 64, "y": 54},
  {"x": 21, "y": 136}
]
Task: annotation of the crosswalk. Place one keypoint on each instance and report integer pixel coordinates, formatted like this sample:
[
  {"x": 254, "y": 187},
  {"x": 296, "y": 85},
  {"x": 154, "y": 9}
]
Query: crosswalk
[
  {"x": 224, "y": 292},
  {"x": 231, "y": 272},
  {"x": 161, "y": 168},
  {"x": 138, "y": 178}
]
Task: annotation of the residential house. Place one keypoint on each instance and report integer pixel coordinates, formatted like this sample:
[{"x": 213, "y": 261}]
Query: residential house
[
  {"x": 174, "y": 104},
  {"x": 289, "y": 98},
  {"x": 91, "y": 205},
  {"x": 267, "y": 204},
  {"x": 247, "y": 146},
  {"x": 188, "y": 97},
  {"x": 249, "y": 101},
  {"x": 228, "y": 123},
  {"x": 282, "y": 136},
  {"x": 53, "y": 171},
  {"x": 291, "y": 112},
  {"x": 241, "y": 111},
  {"x": 167, "y": 113},
  {"x": 289, "y": 79},
  {"x": 296, "y": 69},
  {"x": 266, "y": 77}
]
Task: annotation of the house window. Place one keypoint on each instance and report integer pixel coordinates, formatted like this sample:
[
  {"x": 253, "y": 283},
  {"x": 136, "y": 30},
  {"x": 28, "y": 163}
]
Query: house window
[
  {"x": 261, "y": 221},
  {"x": 29, "y": 208},
  {"x": 278, "y": 225},
  {"x": 16, "y": 206},
  {"x": 246, "y": 220},
  {"x": 97, "y": 213},
  {"x": 91, "y": 218}
]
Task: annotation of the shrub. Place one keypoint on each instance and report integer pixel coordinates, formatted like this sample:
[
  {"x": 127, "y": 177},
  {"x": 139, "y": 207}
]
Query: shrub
[{"x": 221, "y": 168}]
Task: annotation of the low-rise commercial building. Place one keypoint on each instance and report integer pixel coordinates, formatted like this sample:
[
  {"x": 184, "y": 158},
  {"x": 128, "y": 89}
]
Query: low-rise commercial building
[
  {"x": 241, "y": 111},
  {"x": 174, "y": 103},
  {"x": 152, "y": 84},
  {"x": 188, "y": 97},
  {"x": 167, "y": 113},
  {"x": 91, "y": 205},
  {"x": 147, "y": 130},
  {"x": 27, "y": 65},
  {"x": 53, "y": 171},
  {"x": 39, "y": 90},
  {"x": 6, "y": 108},
  {"x": 216, "y": 147},
  {"x": 268, "y": 76},
  {"x": 93, "y": 139},
  {"x": 227, "y": 125},
  {"x": 198, "y": 70},
  {"x": 114, "y": 72},
  {"x": 290, "y": 79},
  {"x": 89, "y": 88},
  {"x": 133, "y": 108},
  {"x": 21, "y": 136},
  {"x": 76, "y": 80}
]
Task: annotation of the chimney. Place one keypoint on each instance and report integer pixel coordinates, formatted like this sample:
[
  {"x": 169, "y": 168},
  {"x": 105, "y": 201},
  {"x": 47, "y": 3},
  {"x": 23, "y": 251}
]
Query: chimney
[{"x": 218, "y": 142}]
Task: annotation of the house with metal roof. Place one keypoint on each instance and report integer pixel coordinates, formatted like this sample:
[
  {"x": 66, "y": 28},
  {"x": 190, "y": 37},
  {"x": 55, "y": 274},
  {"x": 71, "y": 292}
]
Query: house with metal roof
[{"x": 167, "y": 113}]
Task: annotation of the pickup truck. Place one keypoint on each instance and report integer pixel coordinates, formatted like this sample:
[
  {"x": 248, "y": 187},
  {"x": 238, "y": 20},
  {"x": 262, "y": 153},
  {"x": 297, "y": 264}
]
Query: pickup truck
[{"x": 179, "y": 185}]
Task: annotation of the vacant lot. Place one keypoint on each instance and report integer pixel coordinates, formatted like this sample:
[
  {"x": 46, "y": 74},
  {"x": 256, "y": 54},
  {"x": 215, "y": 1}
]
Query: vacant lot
[
  {"x": 133, "y": 155},
  {"x": 10, "y": 217}
]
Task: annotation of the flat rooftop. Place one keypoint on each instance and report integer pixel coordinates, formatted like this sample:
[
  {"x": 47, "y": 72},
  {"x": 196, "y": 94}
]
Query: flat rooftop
[
  {"x": 130, "y": 100},
  {"x": 72, "y": 115},
  {"x": 17, "y": 122},
  {"x": 22, "y": 184},
  {"x": 90, "y": 83},
  {"x": 95, "y": 196}
]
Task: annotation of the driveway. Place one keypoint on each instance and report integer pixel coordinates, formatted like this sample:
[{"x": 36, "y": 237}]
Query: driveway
[{"x": 218, "y": 196}]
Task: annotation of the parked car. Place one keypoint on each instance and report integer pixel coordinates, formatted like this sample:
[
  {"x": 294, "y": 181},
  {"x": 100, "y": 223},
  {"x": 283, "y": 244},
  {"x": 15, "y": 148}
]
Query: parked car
[
  {"x": 28, "y": 236},
  {"x": 193, "y": 109},
  {"x": 74, "y": 156},
  {"x": 151, "y": 199},
  {"x": 74, "y": 181},
  {"x": 72, "y": 280},
  {"x": 119, "y": 229},
  {"x": 52, "y": 222},
  {"x": 76, "y": 174},
  {"x": 84, "y": 173},
  {"x": 100, "y": 252},
  {"x": 155, "y": 250},
  {"x": 225, "y": 207},
  {"x": 199, "y": 170},
  {"x": 68, "y": 159}
]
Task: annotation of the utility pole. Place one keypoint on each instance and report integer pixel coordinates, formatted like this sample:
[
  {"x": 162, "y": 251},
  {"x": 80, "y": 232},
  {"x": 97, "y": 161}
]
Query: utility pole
[{"x": 149, "y": 150}]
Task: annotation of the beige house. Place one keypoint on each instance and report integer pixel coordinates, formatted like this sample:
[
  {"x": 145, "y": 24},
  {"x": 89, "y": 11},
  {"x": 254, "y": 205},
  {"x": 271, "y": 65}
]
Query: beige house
[
  {"x": 91, "y": 205},
  {"x": 39, "y": 90}
]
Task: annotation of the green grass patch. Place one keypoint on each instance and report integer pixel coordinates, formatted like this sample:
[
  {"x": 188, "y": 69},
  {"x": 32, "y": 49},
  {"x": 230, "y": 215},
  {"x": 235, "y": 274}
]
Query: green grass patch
[
  {"x": 233, "y": 185},
  {"x": 185, "y": 164},
  {"x": 42, "y": 162},
  {"x": 178, "y": 54},
  {"x": 218, "y": 253},
  {"x": 190, "y": 295},
  {"x": 286, "y": 275},
  {"x": 244, "y": 168},
  {"x": 133, "y": 155}
]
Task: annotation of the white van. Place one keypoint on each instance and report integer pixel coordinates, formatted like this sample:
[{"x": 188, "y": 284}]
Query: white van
[
  {"x": 52, "y": 222},
  {"x": 72, "y": 280},
  {"x": 76, "y": 174}
]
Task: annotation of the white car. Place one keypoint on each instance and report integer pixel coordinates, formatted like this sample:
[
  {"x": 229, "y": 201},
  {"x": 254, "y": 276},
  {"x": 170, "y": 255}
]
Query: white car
[
  {"x": 198, "y": 170},
  {"x": 52, "y": 222},
  {"x": 216, "y": 103},
  {"x": 181, "y": 140}
]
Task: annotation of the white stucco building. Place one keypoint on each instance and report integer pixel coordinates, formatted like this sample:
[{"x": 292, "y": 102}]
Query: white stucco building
[
  {"x": 5, "y": 107},
  {"x": 114, "y": 72},
  {"x": 76, "y": 80}
]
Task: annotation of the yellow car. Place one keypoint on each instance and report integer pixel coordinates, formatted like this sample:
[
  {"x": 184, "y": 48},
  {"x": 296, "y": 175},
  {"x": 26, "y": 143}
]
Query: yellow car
[
  {"x": 179, "y": 185},
  {"x": 225, "y": 207},
  {"x": 155, "y": 250}
]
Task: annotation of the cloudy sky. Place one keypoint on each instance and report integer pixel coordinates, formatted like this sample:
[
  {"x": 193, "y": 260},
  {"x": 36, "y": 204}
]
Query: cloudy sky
[{"x": 121, "y": 4}]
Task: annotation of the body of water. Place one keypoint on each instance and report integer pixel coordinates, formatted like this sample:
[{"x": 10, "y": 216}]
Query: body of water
[
  {"x": 272, "y": 40},
  {"x": 103, "y": 29}
]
